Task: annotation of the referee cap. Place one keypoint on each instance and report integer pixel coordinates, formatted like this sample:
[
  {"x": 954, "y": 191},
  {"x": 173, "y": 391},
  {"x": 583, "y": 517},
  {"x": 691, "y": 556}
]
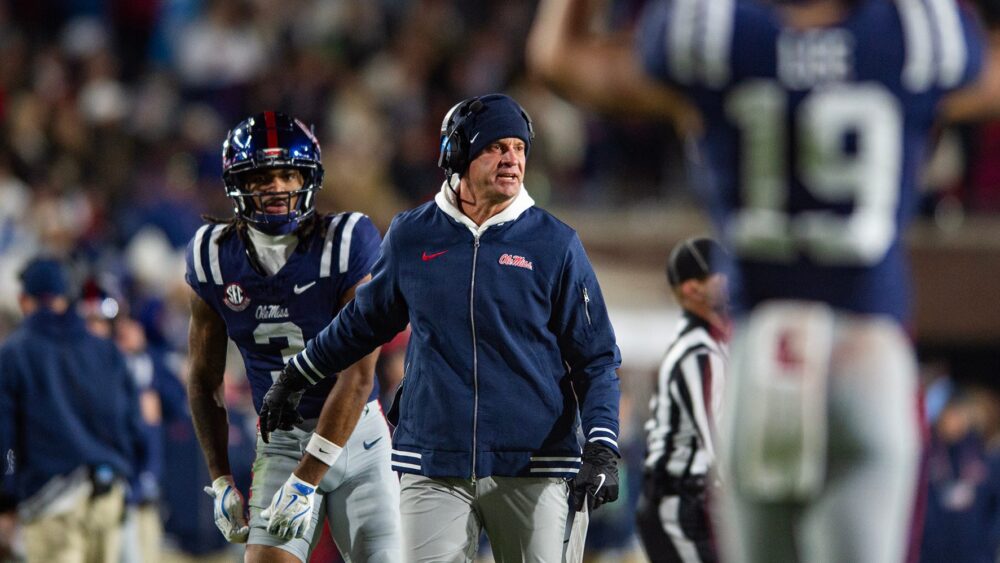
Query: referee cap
[{"x": 694, "y": 258}]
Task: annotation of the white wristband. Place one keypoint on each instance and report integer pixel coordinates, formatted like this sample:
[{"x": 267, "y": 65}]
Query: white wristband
[{"x": 323, "y": 449}]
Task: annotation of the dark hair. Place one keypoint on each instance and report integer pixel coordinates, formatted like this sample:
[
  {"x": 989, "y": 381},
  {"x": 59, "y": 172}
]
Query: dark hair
[{"x": 238, "y": 226}]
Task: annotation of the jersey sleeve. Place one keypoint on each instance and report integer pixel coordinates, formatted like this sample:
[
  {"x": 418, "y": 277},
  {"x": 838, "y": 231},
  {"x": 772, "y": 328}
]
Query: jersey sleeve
[
  {"x": 363, "y": 244},
  {"x": 197, "y": 268},
  {"x": 975, "y": 47},
  {"x": 688, "y": 43},
  {"x": 943, "y": 45}
]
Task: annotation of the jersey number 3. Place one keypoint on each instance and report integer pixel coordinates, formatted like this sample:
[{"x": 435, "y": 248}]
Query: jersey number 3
[
  {"x": 290, "y": 332},
  {"x": 864, "y": 177}
]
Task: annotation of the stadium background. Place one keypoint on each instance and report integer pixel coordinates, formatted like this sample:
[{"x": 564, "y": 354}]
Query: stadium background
[{"x": 112, "y": 114}]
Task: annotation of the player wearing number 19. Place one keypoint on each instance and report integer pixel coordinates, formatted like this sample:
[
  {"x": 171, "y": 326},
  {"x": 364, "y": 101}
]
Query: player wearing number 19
[
  {"x": 270, "y": 279},
  {"x": 815, "y": 117}
]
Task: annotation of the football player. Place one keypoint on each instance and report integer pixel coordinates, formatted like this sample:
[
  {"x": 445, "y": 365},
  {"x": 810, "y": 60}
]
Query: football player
[
  {"x": 270, "y": 278},
  {"x": 814, "y": 116}
]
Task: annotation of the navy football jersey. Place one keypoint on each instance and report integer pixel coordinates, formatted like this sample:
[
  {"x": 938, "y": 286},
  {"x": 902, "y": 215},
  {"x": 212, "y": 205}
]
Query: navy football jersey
[
  {"x": 270, "y": 318},
  {"x": 813, "y": 138}
]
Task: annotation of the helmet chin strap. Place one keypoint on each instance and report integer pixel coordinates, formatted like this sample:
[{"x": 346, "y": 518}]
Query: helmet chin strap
[{"x": 275, "y": 224}]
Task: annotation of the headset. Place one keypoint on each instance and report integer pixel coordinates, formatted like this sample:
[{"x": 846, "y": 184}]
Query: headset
[{"x": 455, "y": 143}]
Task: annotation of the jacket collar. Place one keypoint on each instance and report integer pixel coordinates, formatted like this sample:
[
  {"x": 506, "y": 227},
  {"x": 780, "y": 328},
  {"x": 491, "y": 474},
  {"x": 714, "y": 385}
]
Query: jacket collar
[{"x": 445, "y": 200}]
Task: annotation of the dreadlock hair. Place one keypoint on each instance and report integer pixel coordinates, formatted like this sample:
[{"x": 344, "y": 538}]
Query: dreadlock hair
[{"x": 238, "y": 226}]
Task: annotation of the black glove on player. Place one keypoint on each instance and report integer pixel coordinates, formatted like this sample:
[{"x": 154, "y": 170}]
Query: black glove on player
[{"x": 279, "y": 410}]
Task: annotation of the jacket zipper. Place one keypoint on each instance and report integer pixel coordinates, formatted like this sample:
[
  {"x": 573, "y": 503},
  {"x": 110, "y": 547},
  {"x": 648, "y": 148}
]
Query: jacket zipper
[
  {"x": 586, "y": 305},
  {"x": 475, "y": 358}
]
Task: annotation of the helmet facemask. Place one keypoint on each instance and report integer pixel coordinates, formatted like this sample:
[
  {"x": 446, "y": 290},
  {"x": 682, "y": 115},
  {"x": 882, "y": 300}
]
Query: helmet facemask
[
  {"x": 266, "y": 142},
  {"x": 251, "y": 206}
]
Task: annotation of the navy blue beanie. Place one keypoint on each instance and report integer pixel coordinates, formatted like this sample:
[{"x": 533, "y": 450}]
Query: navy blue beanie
[
  {"x": 500, "y": 117},
  {"x": 44, "y": 277}
]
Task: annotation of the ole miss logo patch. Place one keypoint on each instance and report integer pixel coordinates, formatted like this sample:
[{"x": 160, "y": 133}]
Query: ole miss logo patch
[
  {"x": 517, "y": 261},
  {"x": 235, "y": 298}
]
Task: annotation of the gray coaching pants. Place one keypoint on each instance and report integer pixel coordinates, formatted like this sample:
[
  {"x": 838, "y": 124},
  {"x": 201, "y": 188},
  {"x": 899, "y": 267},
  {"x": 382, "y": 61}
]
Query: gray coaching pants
[{"x": 525, "y": 519}]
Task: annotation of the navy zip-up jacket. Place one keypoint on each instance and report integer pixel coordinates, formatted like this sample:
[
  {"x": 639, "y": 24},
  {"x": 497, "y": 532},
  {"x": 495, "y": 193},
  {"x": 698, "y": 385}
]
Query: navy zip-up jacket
[
  {"x": 67, "y": 400},
  {"x": 510, "y": 342}
]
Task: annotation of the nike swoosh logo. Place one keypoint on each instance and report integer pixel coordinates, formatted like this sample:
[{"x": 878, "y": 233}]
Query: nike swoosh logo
[
  {"x": 474, "y": 137},
  {"x": 427, "y": 257},
  {"x": 601, "y": 484},
  {"x": 298, "y": 289},
  {"x": 368, "y": 445}
]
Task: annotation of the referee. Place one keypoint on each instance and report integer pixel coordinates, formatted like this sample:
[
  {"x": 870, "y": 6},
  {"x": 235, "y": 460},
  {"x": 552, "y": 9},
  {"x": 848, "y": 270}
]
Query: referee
[{"x": 672, "y": 515}]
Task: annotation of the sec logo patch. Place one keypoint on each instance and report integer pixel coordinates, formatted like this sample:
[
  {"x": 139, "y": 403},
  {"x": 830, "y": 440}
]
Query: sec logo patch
[{"x": 235, "y": 298}]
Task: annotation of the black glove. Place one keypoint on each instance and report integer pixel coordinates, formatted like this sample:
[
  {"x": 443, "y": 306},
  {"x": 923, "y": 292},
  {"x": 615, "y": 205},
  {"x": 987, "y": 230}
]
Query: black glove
[
  {"x": 597, "y": 481},
  {"x": 279, "y": 410}
]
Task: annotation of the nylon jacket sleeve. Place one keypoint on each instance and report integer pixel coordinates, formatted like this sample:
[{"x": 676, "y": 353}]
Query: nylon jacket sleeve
[
  {"x": 137, "y": 449},
  {"x": 8, "y": 419},
  {"x": 376, "y": 314},
  {"x": 587, "y": 344}
]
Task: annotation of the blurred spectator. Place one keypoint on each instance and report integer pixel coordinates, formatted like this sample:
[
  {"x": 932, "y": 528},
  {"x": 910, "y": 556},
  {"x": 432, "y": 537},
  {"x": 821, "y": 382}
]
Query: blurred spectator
[
  {"x": 70, "y": 414},
  {"x": 963, "y": 495}
]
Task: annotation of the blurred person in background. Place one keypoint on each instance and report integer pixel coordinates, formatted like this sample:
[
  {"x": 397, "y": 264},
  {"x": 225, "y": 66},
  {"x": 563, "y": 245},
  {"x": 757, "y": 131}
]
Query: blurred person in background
[
  {"x": 107, "y": 317},
  {"x": 962, "y": 520},
  {"x": 70, "y": 415},
  {"x": 511, "y": 351},
  {"x": 270, "y": 279},
  {"x": 814, "y": 119},
  {"x": 673, "y": 514}
]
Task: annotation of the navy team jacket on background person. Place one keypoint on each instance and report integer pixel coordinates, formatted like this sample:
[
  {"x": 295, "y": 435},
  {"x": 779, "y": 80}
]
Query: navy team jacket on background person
[
  {"x": 270, "y": 318},
  {"x": 67, "y": 400},
  {"x": 508, "y": 331}
]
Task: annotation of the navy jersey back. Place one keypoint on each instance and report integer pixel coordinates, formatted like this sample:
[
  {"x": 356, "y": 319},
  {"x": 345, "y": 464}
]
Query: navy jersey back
[
  {"x": 270, "y": 318},
  {"x": 814, "y": 138}
]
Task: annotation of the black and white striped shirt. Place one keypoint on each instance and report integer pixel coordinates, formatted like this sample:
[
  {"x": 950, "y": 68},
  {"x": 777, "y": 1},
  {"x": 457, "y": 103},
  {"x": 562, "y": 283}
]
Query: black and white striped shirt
[{"x": 684, "y": 409}]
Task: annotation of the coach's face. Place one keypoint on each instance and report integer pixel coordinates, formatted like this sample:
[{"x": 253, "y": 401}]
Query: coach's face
[{"x": 495, "y": 175}]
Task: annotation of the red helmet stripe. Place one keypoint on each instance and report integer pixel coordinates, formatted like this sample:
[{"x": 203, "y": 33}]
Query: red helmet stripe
[{"x": 272, "y": 129}]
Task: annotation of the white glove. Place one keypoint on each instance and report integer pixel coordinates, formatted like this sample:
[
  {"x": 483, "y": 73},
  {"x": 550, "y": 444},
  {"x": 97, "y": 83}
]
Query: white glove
[
  {"x": 230, "y": 516},
  {"x": 290, "y": 513}
]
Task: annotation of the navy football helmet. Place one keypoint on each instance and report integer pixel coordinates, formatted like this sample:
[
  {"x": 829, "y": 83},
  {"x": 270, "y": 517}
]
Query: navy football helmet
[{"x": 272, "y": 140}]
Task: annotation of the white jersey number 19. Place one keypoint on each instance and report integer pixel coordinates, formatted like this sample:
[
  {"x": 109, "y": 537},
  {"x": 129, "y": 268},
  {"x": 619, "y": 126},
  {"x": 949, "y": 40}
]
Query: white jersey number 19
[{"x": 867, "y": 174}]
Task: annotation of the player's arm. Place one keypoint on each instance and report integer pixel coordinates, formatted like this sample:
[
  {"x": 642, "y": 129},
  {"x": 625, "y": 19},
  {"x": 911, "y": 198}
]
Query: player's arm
[
  {"x": 601, "y": 71},
  {"x": 377, "y": 313},
  {"x": 207, "y": 341},
  {"x": 342, "y": 408}
]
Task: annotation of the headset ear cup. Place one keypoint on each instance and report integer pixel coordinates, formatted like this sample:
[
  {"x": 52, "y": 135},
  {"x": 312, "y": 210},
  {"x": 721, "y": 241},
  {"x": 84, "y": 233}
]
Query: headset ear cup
[
  {"x": 453, "y": 149},
  {"x": 459, "y": 148},
  {"x": 531, "y": 126}
]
